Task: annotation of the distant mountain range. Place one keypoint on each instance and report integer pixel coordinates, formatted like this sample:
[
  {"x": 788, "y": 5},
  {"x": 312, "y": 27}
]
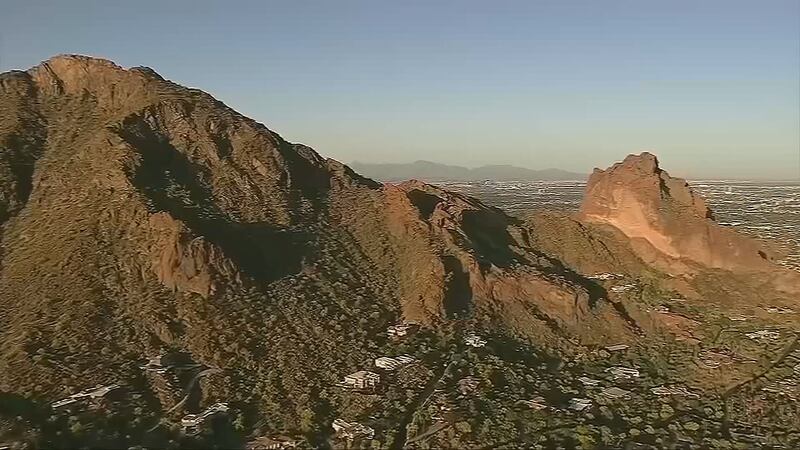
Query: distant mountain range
[{"x": 431, "y": 171}]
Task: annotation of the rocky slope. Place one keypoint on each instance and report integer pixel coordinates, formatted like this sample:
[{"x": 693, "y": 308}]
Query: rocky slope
[{"x": 139, "y": 216}]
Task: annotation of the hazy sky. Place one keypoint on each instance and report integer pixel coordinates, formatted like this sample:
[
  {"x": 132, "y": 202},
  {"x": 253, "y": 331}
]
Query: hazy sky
[{"x": 712, "y": 86}]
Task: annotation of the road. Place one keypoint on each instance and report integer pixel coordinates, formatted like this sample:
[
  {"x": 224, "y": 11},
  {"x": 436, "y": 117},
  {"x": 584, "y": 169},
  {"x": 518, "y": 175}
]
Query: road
[
  {"x": 401, "y": 440},
  {"x": 429, "y": 432},
  {"x": 188, "y": 390},
  {"x": 738, "y": 387}
]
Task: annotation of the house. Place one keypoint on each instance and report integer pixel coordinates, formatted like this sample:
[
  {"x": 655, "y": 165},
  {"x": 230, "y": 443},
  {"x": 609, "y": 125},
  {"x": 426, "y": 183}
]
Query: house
[
  {"x": 192, "y": 422},
  {"x": 623, "y": 288},
  {"x": 352, "y": 430},
  {"x": 623, "y": 372},
  {"x": 272, "y": 443},
  {"x": 396, "y": 331},
  {"x": 91, "y": 393},
  {"x": 474, "y": 340},
  {"x": 158, "y": 364},
  {"x": 586, "y": 381},
  {"x": 763, "y": 335},
  {"x": 384, "y": 362},
  {"x": 617, "y": 348},
  {"x": 363, "y": 379},
  {"x": 387, "y": 363},
  {"x": 579, "y": 404},
  {"x": 402, "y": 329},
  {"x": 673, "y": 390},
  {"x": 536, "y": 403},
  {"x": 614, "y": 393},
  {"x": 406, "y": 359},
  {"x": 604, "y": 276},
  {"x": 467, "y": 385},
  {"x": 63, "y": 402},
  {"x": 102, "y": 391}
]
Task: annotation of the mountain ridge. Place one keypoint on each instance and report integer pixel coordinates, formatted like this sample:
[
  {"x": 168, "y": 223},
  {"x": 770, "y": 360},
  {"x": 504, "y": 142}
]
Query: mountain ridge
[{"x": 431, "y": 171}]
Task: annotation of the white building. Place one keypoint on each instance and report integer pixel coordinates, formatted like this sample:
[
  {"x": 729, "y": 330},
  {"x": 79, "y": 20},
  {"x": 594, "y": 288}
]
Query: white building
[
  {"x": 272, "y": 443},
  {"x": 474, "y": 340},
  {"x": 604, "y": 276},
  {"x": 91, "y": 393},
  {"x": 384, "y": 362},
  {"x": 763, "y": 335},
  {"x": 623, "y": 288},
  {"x": 623, "y": 372},
  {"x": 388, "y": 363},
  {"x": 101, "y": 391},
  {"x": 363, "y": 379},
  {"x": 191, "y": 422},
  {"x": 673, "y": 390},
  {"x": 536, "y": 403},
  {"x": 617, "y": 348},
  {"x": 400, "y": 330},
  {"x": 579, "y": 404},
  {"x": 406, "y": 359},
  {"x": 63, "y": 402},
  {"x": 586, "y": 381},
  {"x": 158, "y": 364},
  {"x": 352, "y": 430},
  {"x": 615, "y": 393}
]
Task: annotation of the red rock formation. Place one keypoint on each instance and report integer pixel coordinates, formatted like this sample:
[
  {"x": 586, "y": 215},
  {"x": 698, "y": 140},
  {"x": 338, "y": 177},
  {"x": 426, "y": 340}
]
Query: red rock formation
[{"x": 669, "y": 224}]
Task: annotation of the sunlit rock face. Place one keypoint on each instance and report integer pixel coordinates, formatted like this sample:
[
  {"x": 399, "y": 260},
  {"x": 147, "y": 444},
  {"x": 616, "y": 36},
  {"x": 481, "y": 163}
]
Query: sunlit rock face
[{"x": 666, "y": 220}]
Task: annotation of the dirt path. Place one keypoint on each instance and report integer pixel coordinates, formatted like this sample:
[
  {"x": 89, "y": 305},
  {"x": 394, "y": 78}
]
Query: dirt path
[
  {"x": 738, "y": 387},
  {"x": 188, "y": 391},
  {"x": 429, "y": 432}
]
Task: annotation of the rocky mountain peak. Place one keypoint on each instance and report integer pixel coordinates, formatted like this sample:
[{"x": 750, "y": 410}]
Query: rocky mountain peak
[{"x": 665, "y": 217}]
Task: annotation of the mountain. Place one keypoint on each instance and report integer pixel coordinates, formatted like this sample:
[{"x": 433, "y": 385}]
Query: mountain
[
  {"x": 636, "y": 218},
  {"x": 145, "y": 221},
  {"x": 140, "y": 217},
  {"x": 430, "y": 171},
  {"x": 662, "y": 214}
]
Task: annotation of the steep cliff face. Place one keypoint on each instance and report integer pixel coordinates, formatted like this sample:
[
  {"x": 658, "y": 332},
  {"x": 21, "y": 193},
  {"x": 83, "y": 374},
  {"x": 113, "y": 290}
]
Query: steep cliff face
[
  {"x": 467, "y": 258},
  {"x": 139, "y": 216},
  {"x": 668, "y": 223}
]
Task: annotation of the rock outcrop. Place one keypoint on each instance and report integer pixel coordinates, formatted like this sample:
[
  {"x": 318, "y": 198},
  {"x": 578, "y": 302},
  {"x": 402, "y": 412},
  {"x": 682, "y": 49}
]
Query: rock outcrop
[{"x": 669, "y": 225}]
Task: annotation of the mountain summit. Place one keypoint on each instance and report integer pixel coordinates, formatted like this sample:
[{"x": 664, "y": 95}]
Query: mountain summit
[{"x": 665, "y": 218}]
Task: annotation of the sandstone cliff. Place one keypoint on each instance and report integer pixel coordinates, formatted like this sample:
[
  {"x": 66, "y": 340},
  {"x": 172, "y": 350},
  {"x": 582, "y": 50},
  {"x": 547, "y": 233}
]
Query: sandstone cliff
[{"x": 668, "y": 223}]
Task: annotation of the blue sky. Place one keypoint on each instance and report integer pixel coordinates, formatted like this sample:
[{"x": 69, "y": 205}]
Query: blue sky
[{"x": 712, "y": 86}]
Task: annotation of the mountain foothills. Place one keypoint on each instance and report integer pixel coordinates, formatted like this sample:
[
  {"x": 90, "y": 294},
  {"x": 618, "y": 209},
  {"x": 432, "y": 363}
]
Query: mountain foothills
[
  {"x": 173, "y": 274},
  {"x": 430, "y": 171}
]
